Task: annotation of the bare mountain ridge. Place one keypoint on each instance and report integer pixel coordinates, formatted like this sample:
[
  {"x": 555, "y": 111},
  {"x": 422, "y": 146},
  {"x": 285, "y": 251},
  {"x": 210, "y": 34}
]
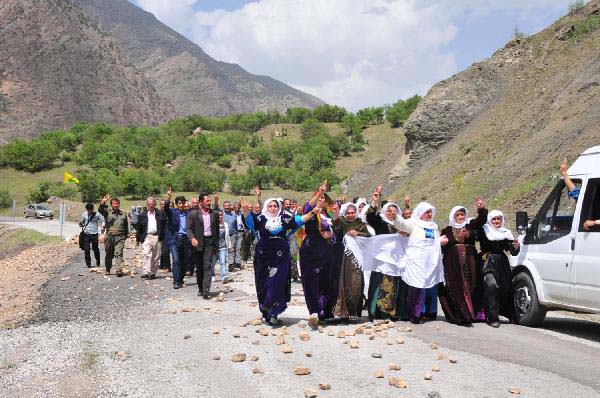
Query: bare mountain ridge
[
  {"x": 182, "y": 72},
  {"x": 500, "y": 128},
  {"x": 56, "y": 68}
]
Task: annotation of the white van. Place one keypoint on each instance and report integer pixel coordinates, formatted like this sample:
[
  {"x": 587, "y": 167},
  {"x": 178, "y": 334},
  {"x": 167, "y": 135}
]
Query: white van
[{"x": 559, "y": 263}]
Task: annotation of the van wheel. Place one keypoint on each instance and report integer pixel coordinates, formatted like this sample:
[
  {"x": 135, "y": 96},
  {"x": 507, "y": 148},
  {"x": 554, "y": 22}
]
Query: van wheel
[{"x": 528, "y": 309}]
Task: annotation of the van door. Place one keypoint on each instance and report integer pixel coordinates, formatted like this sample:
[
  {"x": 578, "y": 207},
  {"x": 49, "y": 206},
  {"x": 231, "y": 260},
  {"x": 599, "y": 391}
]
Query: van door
[
  {"x": 549, "y": 243},
  {"x": 586, "y": 262}
]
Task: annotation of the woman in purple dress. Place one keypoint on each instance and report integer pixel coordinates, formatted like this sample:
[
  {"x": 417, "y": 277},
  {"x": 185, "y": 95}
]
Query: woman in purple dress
[{"x": 272, "y": 255}]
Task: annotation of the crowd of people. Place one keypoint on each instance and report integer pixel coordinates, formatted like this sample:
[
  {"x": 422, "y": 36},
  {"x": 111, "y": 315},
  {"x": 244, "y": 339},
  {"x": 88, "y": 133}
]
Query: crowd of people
[{"x": 365, "y": 254}]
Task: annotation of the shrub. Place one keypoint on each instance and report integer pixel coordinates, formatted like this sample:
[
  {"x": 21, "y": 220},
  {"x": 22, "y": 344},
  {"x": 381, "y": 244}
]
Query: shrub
[
  {"x": 312, "y": 128},
  {"x": 225, "y": 161},
  {"x": 62, "y": 190},
  {"x": 5, "y": 198},
  {"x": 239, "y": 184},
  {"x": 298, "y": 115},
  {"x": 398, "y": 112},
  {"x": 93, "y": 184},
  {"x": 576, "y": 5},
  {"x": 31, "y": 156},
  {"x": 329, "y": 114},
  {"x": 40, "y": 193}
]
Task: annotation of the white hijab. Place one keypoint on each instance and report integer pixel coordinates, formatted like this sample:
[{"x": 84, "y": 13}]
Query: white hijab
[
  {"x": 453, "y": 212},
  {"x": 418, "y": 212},
  {"x": 493, "y": 233},
  {"x": 384, "y": 210},
  {"x": 363, "y": 213},
  {"x": 272, "y": 221},
  {"x": 344, "y": 209}
]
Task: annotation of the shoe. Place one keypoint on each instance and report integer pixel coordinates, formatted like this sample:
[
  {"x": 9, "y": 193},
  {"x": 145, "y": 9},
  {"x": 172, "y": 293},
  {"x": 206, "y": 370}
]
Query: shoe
[
  {"x": 274, "y": 321},
  {"x": 151, "y": 276},
  {"x": 205, "y": 296},
  {"x": 107, "y": 272},
  {"x": 88, "y": 266},
  {"x": 313, "y": 321},
  {"x": 145, "y": 276},
  {"x": 200, "y": 294},
  {"x": 494, "y": 324},
  {"x": 176, "y": 285}
]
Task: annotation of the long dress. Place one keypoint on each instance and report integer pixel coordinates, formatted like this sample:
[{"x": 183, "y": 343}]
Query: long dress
[
  {"x": 497, "y": 278},
  {"x": 317, "y": 267},
  {"x": 461, "y": 298},
  {"x": 351, "y": 282},
  {"x": 387, "y": 295},
  {"x": 272, "y": 263}
]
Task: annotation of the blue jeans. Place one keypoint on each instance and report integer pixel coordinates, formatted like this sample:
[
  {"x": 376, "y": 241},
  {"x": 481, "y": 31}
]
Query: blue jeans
[
  {"x": 178, "y": 253},
  {"x": 223, "y": 261}
]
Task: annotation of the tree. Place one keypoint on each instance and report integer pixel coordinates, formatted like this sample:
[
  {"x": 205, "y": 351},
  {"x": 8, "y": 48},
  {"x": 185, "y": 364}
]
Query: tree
[
  {"x": 329, "y": 113},
  {"x": 398, "y": 112},
  {"x": 93, "y": 184},
  {"x": 298, "y": 115},
  {"x": 312, "y": 128},
  {"x": 40, "y": 193},
  {"x": 239, "y": 184},
  {"x": 5, "y": 198}
]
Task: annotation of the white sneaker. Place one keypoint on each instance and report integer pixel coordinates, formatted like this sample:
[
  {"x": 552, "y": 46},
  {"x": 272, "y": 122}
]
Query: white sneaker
[{"x": 313, "y": 321}]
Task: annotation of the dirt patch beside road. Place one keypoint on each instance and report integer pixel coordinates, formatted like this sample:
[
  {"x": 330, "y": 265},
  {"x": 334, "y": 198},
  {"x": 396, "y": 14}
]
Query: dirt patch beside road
[{"x": 22, "y": 276}]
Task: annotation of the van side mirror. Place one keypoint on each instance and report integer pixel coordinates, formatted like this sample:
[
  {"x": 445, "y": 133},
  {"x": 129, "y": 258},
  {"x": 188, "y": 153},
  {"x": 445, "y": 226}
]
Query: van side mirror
[{"x": 522, "y": 222}]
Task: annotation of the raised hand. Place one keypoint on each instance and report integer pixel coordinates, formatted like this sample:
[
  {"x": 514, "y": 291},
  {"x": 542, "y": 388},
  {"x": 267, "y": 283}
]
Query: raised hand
[
  {"x": 257, "y": 191},
  {"x": 406, "y": 201},
  {"x": 323, "y": 187},
  {"x": 105, "y": 199},
  {"x": 564, "y": 166},
  {"x": 377, "y": 193},
  {"x": 216, "y": 197},
  {"x": 479, "y": 203},
  {"x": 169, "y": 193}
]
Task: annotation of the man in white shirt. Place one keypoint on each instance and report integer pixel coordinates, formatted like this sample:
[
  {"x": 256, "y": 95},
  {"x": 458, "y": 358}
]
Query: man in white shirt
[{"x": 150, "y": 233}]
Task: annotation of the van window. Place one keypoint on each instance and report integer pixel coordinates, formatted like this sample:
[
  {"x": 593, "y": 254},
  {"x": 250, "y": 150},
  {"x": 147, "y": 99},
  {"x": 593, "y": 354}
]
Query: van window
[
  {"x": 590, "y": 209},
  {"x": 555, "y": 218}
]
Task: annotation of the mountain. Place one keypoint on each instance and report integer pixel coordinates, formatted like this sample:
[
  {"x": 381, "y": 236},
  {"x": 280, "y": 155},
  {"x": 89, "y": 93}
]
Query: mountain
[
  {"x": 182, "y": 72},
  {"x": 500, "y": 128},
  {"x": 57, "y": 68}
]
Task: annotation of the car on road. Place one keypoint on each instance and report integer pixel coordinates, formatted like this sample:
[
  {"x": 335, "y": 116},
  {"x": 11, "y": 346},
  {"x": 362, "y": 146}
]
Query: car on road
[
  {"x": 559, "y": 263},
  {"x": 38, "y": 211}
]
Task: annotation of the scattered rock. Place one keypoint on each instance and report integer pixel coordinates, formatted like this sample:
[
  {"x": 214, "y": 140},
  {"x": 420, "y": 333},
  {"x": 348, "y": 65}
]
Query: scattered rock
[
  {"x": 371, "y": 337},
  {"x": 238, "y": 357},
  {"x": 257, "y": 371},
  {"x": 187, "y": 309},
  {"x": 440, "y": 356},
  {"x": 254, "y": 358},
  {"x": 66, "y": 278},
  {"x": 237, "y": 334},
  {"x": 216, "y": 331},
  {"x": 400, "y": 340},
  {"x": 434, "y": 394},
  {"x": 321, "y": 330},
  {"x": 310, "y": 393},
  {"x": 256, "y": 342},
  {"x": 254, "y": 322},
  {"x": 428, "y": 376},
  {"x": 354, "y": 344},
  {"x": 263, "y": 332},
  {"x": 379, "y": 374},
  {"x": 217, "y": 358},
  {"x": 324, "y": 386},
  {"x": 389, "y": 342},
  {"x": 287, "y": 349},
  {"x": 187, "y": 336},
  {"x": 433, "y": 346},
  {"x": 279, "y": 340},
  {"x": 341, "y": 334},
  {"x": 122, "y": 355},
  {"x": 452, "y": 359},
  {"x": 397, "y": 382},
  {"x": 304, "y": 336},
  {"x": 330, "y": 332},
  {"x": 377, "y": 355},
  {"x": 349, "y": 333},
  {"x": 514, "y": 390},
  {"x": 221, "y": 296},
  {"x": 394, "y": 366},
  {"x": 301, "y": 371},
  {"x": 308, "y": 354},
  {"x": 359, "y": 330}
]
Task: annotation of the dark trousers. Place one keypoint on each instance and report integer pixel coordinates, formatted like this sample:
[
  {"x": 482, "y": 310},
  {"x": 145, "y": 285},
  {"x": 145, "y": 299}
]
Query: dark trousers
[
  {"x": 91, "y": 240},
  {"x": 190, "y": 259},
  {"x": 204, "y": 263},
  {"x": 179, "y": 252},
  {"x": 165, "y": 255}
]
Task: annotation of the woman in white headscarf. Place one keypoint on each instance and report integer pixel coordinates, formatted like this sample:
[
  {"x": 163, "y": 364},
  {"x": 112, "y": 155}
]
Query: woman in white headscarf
[
  {"x": 462, "y": 296},
  {"x": 387, "y": 292},
  {"x": 495, "y": 239},
  {"x": 423, "y": 259},
  {"x": 349, "y": 303},
  {"x": 272, "y": 255}
]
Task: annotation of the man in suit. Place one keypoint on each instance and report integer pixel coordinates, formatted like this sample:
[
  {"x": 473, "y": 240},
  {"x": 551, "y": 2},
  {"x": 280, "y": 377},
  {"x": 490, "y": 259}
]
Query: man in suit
[
  {"x": 177, "y": 236},
  {"x": 150, "y": 232},
  {"x": 203, "y": 232}
]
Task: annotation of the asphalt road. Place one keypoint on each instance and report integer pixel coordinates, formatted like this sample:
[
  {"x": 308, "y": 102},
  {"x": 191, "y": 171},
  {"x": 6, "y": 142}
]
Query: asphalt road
[
  {"x": 108, "y": 336},
  {"x": 50, "y": 227}
]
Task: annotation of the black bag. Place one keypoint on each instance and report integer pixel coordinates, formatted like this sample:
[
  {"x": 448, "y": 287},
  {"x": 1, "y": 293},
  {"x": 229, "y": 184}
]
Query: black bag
[{"x": 81, "y": 234}]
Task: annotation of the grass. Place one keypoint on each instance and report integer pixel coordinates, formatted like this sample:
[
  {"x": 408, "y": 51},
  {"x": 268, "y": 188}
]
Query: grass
[{"x": 13, "y": 240}]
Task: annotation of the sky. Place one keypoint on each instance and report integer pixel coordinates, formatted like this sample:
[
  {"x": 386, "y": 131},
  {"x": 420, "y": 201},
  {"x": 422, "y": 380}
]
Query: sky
[{"x": 354, "y": 53}]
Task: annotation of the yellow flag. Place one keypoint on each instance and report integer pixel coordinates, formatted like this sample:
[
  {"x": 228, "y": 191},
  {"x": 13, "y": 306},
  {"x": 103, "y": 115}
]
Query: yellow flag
[{"x": 69, "y": 178}]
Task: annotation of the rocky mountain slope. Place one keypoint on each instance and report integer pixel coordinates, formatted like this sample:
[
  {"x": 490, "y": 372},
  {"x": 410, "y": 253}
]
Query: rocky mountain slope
[
  {"x": 500, "y": 128},
  {"x": 182, "y": 72},
  {"x": 57, "y": 68}
]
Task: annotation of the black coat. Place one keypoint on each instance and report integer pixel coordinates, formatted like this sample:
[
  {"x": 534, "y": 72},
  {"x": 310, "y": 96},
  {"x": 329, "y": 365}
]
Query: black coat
[
  {"x": 195, "y": 227},
  {"x": 142, "y": 225}
]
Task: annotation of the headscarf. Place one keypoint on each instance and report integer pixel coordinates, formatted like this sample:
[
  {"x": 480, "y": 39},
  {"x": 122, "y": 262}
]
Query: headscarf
[
  {"x": 493, "y": 233},
  {"x": 453, "y": 212},
  {"x": 384, "y": 210},
  {"x": 344, "y": 209},
  {"x": 273, "y": 223},
  {"x": 363, "y": 213},
  {"x": 418, "y": 212}
]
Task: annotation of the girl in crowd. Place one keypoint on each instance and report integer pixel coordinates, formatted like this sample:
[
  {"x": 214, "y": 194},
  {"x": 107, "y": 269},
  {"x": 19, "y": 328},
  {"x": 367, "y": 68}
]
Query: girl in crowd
[
  {"x": 224, "y": 245},
  {"x": 317, "y": 259},
  {"x": 423, "y": 259},
  {"x": 495, "y": 239},
  {"x": 272, "y": 255},
  {"x": 461, "y": 297},
  {"x": 387, "y": 293},
  {"x": 350, "y": 292}
]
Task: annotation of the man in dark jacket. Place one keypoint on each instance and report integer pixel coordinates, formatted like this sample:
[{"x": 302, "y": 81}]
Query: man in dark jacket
[
  {"x": 176, "y": 231},
  {"x": 203, "y": 232},
  {"x": 150, "y": 232}
]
